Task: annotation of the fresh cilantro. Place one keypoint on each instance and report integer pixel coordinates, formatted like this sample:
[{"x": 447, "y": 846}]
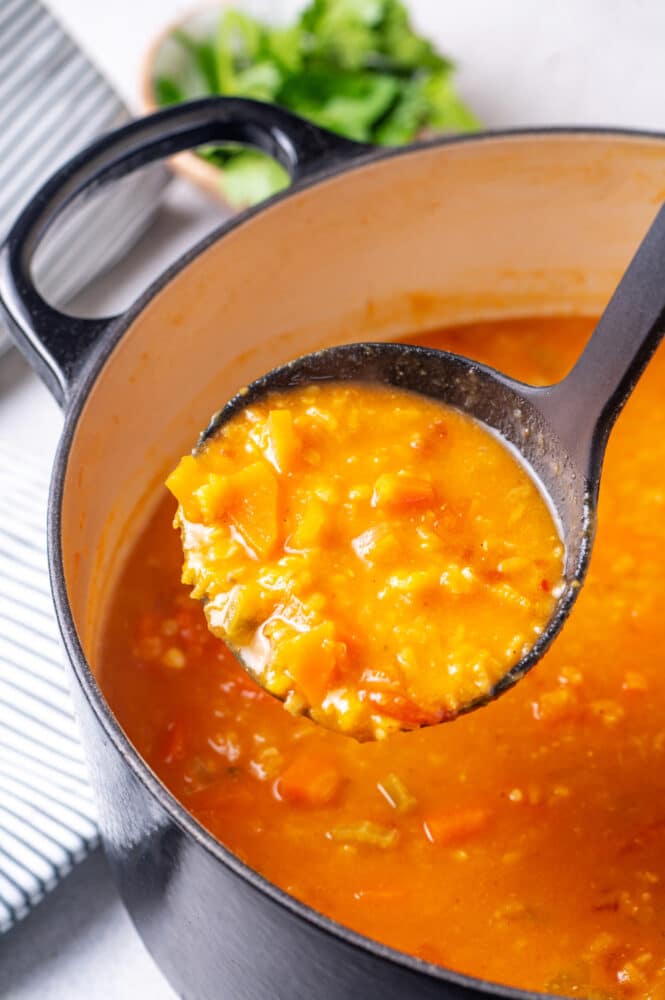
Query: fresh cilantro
[{"x": 356, "y": 67}]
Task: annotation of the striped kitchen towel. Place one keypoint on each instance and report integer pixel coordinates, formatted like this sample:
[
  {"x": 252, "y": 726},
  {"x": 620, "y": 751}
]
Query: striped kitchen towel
[
  {"x": 52, "y": 103},
  {"x": 47, "y": 815}
]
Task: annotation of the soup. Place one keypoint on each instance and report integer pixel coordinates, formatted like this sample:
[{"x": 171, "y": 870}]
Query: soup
[
  {"x": 379, "y": 560},
  {"x": 524, "y": 843}
]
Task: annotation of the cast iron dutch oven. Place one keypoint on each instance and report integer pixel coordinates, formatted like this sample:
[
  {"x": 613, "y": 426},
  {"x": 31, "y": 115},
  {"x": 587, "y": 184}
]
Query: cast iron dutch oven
[{"x": 364, "y": 246}]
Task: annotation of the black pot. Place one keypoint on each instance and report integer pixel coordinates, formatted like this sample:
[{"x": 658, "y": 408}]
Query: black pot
[{"x": 362, "y": 247}]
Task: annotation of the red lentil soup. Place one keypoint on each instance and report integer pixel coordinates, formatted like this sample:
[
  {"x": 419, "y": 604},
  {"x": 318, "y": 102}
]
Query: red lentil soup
[
  {"x": 524, "y": 843},
  {"x": 379, "y": 560}
]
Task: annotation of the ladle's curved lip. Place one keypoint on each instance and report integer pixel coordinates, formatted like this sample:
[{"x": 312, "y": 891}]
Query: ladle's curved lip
[{"x": 421, "y": 370}]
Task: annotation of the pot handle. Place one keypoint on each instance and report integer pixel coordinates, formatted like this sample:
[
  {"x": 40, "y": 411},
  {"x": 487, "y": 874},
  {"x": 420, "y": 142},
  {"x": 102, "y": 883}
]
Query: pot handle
[{"x": 57, "y": 345}]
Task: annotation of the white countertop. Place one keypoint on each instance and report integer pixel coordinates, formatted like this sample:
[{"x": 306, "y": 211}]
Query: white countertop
[{"x": 521, "y": 63}]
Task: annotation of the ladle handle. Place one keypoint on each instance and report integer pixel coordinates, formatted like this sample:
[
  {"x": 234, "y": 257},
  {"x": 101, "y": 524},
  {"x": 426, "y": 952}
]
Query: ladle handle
[
  {"x": 584, "y": 405},
  {"x": 57, "y": 345}
]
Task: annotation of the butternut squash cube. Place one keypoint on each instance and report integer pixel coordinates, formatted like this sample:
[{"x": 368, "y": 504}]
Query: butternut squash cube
[
  {"x": 183, "y": 484},
  {"x": 310, "y": 659},
  {"x": 253, "y": 506},
  {"x": 214, "y": 497},
  {"x": 311, "y": 525},
  {"x": 401, "y": 490},
  {"x": 283, "y": 440}
]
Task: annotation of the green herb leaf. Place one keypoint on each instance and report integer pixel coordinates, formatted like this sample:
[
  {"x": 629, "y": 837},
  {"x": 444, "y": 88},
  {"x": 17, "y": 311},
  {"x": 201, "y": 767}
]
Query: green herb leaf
[
  {"x": 285, "y": 46},
  {"x": 262, "y": 81},
  {"x": 237, "y": 46},
  {"x": 347, "y": 103},
  {"x": 342, "y": 32},
  {"x": 446, "y": 110},
  {"x": 356, "y": 67},
  {"x": 203, "y": 57},
  {"x": 402, "y": 46},
  {"x": 249, "y": 177},
  {"x": 405, "y": 119},
  {"x": 167, "y": 91}
]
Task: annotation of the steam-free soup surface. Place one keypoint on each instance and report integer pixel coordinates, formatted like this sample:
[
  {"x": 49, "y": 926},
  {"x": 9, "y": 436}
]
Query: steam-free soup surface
[
  {"x": 379, "y": 560},
  {"x": 524, "y": 843}
]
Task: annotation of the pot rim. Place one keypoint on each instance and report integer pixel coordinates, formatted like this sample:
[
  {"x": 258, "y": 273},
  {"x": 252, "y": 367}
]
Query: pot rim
[{"x": 65, "y": 619}]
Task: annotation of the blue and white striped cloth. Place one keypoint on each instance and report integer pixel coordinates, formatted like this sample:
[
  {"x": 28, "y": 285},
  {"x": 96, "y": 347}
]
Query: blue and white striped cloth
[
  {"x": 47, "y": 815},
  {"x": 52, "y": 103}
]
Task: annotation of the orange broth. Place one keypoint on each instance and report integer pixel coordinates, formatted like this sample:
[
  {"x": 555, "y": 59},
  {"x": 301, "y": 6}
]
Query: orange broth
[
  {"x": 524, "y": 843},
  {"x": 379, "y": 560}
]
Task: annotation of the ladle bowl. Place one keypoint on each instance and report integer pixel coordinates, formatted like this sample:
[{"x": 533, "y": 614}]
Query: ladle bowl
[{"x": 501, "y": 403}]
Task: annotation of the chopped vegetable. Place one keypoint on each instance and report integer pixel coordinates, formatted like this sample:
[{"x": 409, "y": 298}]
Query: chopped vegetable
[
  {"x": 313, "y": 779},
  {"x": 309, "y": 658},
  {"x": 248, "y": 499},
  {"x": 356, "y": 67},
  {"x": 401, "y": 490},
  {"x": 397, "y": 794},
  {"x": 250, "y": 177},
  {"x": 283, "y": 441},
  {"x": 456, "y": 827},
  {"x": 366, "y": 832}
]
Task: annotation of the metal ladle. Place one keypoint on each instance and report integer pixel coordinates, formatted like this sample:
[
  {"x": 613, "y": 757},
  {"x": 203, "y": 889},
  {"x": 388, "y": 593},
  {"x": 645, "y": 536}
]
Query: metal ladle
[{"x": 560, "y": 430}]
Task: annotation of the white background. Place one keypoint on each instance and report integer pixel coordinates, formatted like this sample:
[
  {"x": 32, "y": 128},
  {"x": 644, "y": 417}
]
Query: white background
[{"x": 521, "y": 62}]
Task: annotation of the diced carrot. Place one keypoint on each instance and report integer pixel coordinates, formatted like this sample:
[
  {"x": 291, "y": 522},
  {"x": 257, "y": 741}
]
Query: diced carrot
[
  {"x": 396, "y": 490},
  {"x": 310, "y": 659},
  {"x": 313, "y": 779},
  {"x": 283, "y": 441},
  {"x": 452, "y": 828}
]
